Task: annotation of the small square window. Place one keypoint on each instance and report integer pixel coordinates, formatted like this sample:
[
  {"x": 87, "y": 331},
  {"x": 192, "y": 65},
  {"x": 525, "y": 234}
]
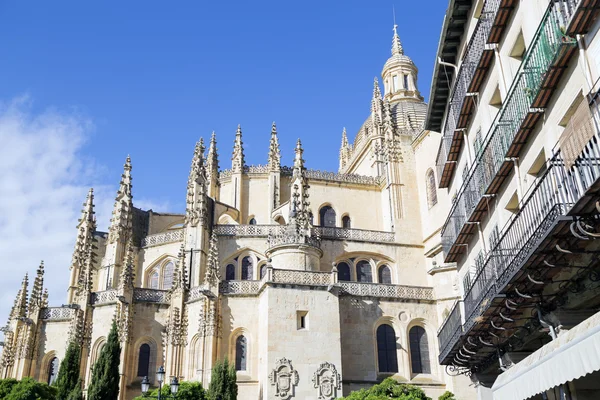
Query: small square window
[{"x": 302, "y": 318}]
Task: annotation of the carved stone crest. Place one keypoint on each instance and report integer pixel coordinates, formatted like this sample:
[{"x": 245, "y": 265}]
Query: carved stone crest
[
  {"x": 327, "y": 381},
  {"x": 284, "y": 377}
]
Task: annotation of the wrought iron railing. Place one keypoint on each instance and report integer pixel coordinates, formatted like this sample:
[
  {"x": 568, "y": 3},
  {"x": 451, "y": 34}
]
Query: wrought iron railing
[
  {"x": 555, "y": 194},
  {"x": 175, "y": 235},
  {"x": 466, "y": 73},
  {"x": 579, "y": 14},
  {"x": 450, "y": 330},
  {"x": 522, "y": 95}
]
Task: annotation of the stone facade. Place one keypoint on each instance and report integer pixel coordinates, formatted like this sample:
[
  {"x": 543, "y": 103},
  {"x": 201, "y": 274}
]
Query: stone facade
[{"x": 295, "y": 275}]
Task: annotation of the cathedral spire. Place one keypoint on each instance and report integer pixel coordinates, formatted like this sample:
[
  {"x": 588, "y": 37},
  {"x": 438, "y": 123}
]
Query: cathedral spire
[
  {"x": 344, "y": 150},
  {"x": 212, "y": 166},
  {"x": 298, "y": 160},
  {"x": 122, "y": 216},
  {"x": 237, "y": 158},
  {"x": 37, "y": 291},
  {"x": 19, "y": 309},
  {"x": 212, "y": 263},
  {"x": 274, "y": 153},
  {"x": 396, "y": 44}
]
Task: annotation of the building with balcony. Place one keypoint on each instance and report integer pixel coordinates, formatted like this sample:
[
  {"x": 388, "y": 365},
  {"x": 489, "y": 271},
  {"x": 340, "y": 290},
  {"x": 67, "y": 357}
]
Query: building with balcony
[
  {"x": 312, "y": 283},
  {"x": 515, "y": 96}
]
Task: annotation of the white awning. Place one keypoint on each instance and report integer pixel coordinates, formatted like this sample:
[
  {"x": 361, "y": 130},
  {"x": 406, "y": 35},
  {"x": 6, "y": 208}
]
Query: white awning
[{"x": 572, "y": 355}]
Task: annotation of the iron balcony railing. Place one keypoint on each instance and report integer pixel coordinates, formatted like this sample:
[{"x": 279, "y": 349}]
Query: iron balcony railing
[
  {"x": 450, "y": 330},
  {"x": 509, "y": 131},
  {"x": 459, "y": 110},
  {"x": 555, "y": 194},
  {"x": 580, "y": 15}
]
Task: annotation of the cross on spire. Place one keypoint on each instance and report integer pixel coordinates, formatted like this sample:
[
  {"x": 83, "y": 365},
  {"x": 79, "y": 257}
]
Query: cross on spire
[{"x": 396, "y": 44}]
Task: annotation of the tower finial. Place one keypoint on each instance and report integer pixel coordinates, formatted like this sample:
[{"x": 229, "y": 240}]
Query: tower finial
[
  {"x": 396, "y": 44},
  {"x": 237, "y": 157},
  {"x": 122, "y": 217},
  {"x": 274, "y": 153}
]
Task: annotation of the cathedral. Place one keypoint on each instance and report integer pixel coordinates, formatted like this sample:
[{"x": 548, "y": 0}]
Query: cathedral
[{"x": 313, "y": 283}]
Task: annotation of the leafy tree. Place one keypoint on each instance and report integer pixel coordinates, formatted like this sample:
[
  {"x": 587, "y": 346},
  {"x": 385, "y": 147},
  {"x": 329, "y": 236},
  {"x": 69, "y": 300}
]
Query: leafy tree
[
  {"x": 389, "y": 389},
  {"x": 77, "y": 392},
  {"x": 68, "y": 373},
  {"x": 29, "y": 389},
  {"x": 187, "y": 391},
  {"x": 6, "y": 385},
  {"x": 223, "y": 382},
  {"x": 447, "y": 396},
  {"x": 105, "y": 375}
]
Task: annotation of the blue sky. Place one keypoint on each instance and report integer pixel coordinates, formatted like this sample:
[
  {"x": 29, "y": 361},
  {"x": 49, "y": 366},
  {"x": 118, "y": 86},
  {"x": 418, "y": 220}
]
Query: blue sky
[
  {"x": 84, "y": 83},
  {"x": 155, "y": 76}
]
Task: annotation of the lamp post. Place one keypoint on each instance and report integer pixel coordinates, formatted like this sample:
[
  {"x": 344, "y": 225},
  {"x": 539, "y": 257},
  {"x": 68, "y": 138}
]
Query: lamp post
[{"x": 160, "y": 377}]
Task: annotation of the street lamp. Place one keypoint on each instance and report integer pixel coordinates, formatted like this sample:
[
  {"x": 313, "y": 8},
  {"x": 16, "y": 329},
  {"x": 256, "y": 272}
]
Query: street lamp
[{"x": 160, "y": 377}]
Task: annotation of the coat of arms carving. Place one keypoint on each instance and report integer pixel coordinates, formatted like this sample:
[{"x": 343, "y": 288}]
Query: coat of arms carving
[
  {"x": 284, "y": 377},
  {"x": 327, "y": 381}
]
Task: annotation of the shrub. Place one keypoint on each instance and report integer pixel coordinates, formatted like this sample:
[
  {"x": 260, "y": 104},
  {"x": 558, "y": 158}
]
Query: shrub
[{"x": 389, "y": 389}]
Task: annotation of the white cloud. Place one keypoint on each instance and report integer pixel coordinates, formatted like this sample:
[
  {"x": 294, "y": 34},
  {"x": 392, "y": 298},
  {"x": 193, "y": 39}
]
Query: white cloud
[{"x": 42, "y": 177}]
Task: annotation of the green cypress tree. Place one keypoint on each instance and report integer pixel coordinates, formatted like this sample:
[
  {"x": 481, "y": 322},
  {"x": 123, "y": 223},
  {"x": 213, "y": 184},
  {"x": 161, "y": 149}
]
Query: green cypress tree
[
  {"x": 223, "y": 384},
  {"x": 77, "y": 392},
  {"x": 105, "y": 375},
  {"x": 68, "y": 373}
]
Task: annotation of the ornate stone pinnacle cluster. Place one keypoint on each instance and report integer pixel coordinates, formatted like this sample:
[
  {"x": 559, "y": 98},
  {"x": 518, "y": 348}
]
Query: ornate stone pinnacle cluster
[
  {"x": 299, "y": 228},
  {"x": 345, "y": 150},
  {"x": 196, "y": 211},
  {"x": 19, "y": 309},
  {"x": 274, "y": 152},
  {"x": 212, "y": 263},
  {"x": 237, "y": 158},
  {"x": 83, "y": 254},
  {"x": 180, "y": 272},
  {"x": 127, "y": 278},
  {"x": 37, "y": 291},
  {"x": 122, "y": 215}
]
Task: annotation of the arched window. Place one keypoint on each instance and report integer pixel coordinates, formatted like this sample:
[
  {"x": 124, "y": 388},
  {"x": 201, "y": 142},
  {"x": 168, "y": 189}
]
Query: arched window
[
  {"x": 247, "y": 268},
  {"x": 346, "y": 222},
  {"x": 241, "y": 347},
  {"x": 144, "y": 360},
  {"x": 431, "y": 189},
  {"x": 279, "y": 219},
  {"x": 343, "y": 271},
  {"x": 263, "y": 271},
  {"x": 154, "y": 280},
  {"x": 52, "y": 370},
  {"x": 386, "y": 349},
  {"x": 327, "y": 216},
  {"x": 363, "y": 271},
  {"x": 385, "y": 274},
  {"x": 252, "y": 221},
  {"x": 168, "y": 275},
  {"x": 419, "y": 350},
  {"x": 230, "y": 272}
]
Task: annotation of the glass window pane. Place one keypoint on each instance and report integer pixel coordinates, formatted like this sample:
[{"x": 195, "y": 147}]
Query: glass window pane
[
  {"x": 230, "y": 272},
  {"x": 154, "y": 280},
  {"x": 343, "y": 271},
  {"x": 53, "y": 370},
  {"x": 247, "y": 268},
  {"x": 419, "y": 350},
  {"x": 168, "y": 275},
  {"x": 363, "y": 271},
  {"x": 385, "y": 274},
  {"x": 144, "y": 360},
  {"x": 240, "y": 353},
  {"x": 327, "y": 216},
  {"x": 386, "y": 349}
]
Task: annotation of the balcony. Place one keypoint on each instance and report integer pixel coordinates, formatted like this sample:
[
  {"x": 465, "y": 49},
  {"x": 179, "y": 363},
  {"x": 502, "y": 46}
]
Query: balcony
[
  {"x": 582, "y": 13},
  {"x": 472, "y": 72},
  {"x": 450, "y": 331},
  {"x": 539, "y": 254},
  {"x": 540, "y": 72},
  {"x": 504, "y": 10}
]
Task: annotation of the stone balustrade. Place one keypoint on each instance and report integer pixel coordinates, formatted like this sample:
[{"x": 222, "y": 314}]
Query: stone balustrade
[
  {"x": 104, "y": 297},
  {"x": 387, "y": 291},
  {"x": 142, "y": 295},
  {"x": 57, "y": 313},
  {"x": 171, "y": 236}
]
